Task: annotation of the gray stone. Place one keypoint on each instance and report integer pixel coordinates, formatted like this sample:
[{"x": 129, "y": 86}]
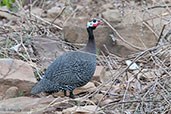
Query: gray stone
[
  {"x": 75, "y": 32},
  {"x": 137, "y": 35},
  {"x": 16, "y": 70},
  {"x": 20, "y": 104},
  {"x": 48, "y": 49},
  {"x": 37, "y": 11},
  {"x": 17, "y": 104},
  {"x": 113, "y": 16},
  {"x": 107, "y": 6},
  {"x": 53, "y": 12},
  {"x": 16, "y": 73},
  {"x": 11, "y": 92},
  {"x": 25, "y": 105}
]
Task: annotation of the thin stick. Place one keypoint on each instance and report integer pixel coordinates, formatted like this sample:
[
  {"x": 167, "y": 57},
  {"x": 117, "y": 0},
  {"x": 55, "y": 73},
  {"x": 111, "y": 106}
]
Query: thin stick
[
  {"x": 46, "y": 21},
  {"x": 161, "y": 34},
  {"x": 70, "y": 16},
  {"x": 58, "y": 14},
  {"x": 159, "y": 6},
  {"x": 138, "y": 48},
  {"x": 12, "y": 13},
  {"x": 125, "y": 102}
]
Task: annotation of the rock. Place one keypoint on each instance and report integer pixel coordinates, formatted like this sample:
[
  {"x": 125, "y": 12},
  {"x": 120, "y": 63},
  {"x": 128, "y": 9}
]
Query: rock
[
  {"x": 75, "y": 32},
  {"x": 74, "y": 28},
  {"x": 11, "y": 92},
  {"x": 16, "y": 69},
  {"x": 100, "y": 70},
  {"x": 132, "y": 16},
  {"x": 37, "y": 11},
  {"x": 143, "y": 39},
  {"x": 107, "y": 6},
  {"x": 138, "y": 17},
  {"x": 25, "y": 104},
  {"x": 113, "y": 16},
  {"x": 17, "y": 104},
  {"x": 16, "y": 73},
  {"x": 89, "y": 87},
  {"x": 80, "y": 110},
  {"x": 53, "y": 12},
  {"x": 48, "y": 48}
]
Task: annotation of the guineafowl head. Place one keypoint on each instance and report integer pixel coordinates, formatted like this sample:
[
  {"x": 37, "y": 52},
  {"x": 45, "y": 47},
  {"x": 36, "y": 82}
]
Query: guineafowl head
[{"x": 93, "y": 23}]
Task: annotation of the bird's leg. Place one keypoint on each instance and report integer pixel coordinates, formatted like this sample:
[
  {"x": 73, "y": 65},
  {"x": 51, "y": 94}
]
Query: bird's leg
[
  {"x": 65, "y": 94},
  {"x": 71, "y": 95}
]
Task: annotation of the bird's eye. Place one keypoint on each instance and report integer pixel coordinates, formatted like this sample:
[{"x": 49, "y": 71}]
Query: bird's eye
[{"x": 94, "y": 21}]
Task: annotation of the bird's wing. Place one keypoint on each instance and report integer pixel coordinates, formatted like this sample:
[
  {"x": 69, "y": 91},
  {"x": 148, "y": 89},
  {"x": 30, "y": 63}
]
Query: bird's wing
[{"x": 70, "y": 68}]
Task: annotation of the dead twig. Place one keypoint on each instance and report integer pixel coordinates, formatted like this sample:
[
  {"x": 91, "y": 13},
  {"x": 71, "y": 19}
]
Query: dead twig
[
  {"x": 58, "y": 15},
  {"x": 138, "y": 48},
  {"x": 165, "y": 36},
  {"x": 159, "y": 6},
  {"x": 70, "y": 16},
  {"x": 12, "y": 13},
  {"x": 126, "y": 102},
  {"x": 161, "y": 34},
  {"x": 46, "y": 21}
]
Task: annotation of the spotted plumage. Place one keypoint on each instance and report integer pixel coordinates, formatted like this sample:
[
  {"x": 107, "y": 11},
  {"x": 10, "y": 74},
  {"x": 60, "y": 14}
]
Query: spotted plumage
[{"x": 70, "y": 70}]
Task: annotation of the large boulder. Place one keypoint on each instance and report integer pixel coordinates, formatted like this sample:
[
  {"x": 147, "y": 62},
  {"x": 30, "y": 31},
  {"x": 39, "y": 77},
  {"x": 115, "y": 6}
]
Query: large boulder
[
  {"x": 16, "y": 73},
  {"x": 23, "y": 105},
  {"x": 11, "y": 92},
  {"x": 48, "y": 49},
  {"x": 137, "y": 37},
  {"x": 75, "y": 32},
  {"x": 113, "y": 16}
]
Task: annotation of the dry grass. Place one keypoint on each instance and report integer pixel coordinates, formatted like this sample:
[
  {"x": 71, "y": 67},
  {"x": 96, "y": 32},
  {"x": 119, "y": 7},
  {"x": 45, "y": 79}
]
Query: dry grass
[{"x": 145, "y": 90}]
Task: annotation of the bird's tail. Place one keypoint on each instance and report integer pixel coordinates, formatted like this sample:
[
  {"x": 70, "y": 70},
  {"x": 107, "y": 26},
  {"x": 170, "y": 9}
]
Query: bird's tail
[{"x": 43, "y": 85}]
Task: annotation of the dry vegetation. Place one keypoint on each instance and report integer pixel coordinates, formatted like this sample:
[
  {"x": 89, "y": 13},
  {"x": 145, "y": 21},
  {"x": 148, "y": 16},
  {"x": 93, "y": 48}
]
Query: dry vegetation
[{"x": 144, "y": 90}]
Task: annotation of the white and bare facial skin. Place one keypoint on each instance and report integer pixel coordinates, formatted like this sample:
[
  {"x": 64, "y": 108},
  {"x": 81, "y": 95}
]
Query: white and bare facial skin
[{"x": 93, "y": 23}]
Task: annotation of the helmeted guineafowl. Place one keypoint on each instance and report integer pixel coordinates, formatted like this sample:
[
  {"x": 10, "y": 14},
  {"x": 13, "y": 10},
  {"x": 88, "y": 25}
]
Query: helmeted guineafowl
[{"x": 71, "y": 70}]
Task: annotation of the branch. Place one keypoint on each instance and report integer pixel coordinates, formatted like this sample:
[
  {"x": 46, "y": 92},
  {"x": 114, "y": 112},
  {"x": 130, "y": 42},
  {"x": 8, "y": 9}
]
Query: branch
[
  {"x": 6, "y": 11},
  {"x": 46, "y": 21},
  {"x": 138, "y": 48}
]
